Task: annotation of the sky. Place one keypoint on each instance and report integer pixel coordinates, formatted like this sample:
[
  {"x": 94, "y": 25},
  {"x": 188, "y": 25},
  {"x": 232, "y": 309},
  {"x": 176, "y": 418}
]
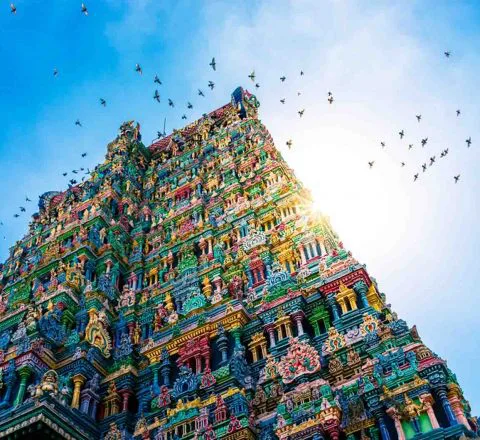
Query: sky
[{"x": 384, "y": 63}]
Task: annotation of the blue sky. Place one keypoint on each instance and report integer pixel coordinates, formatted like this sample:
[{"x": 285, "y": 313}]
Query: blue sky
[{"x": 383, "y": 63}]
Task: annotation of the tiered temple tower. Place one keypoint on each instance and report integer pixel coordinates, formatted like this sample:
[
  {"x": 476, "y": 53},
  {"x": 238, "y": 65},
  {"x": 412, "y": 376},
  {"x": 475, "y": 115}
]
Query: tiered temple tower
[{"x": 188, "y": 291}]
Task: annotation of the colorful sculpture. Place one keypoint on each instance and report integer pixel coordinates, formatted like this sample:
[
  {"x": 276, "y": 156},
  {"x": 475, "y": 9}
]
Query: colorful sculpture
[{"x": 185, "y": 291}]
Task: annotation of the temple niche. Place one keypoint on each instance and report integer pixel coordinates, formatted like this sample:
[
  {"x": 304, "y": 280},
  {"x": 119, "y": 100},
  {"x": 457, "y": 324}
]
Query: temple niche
[{"x": 185, "y": 291}]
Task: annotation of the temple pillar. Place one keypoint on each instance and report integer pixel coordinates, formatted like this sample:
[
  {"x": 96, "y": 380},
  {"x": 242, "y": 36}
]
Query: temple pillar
[
  {"x": 379, "y": 415},
  {"x": 458, "y": 409},
  {"x": 442, "y": 395},
  {"x": 78, "y": 381},
  {"x": 298, "y": 316},
  {"x": 331, "y": 301},
  {"x": 24, "y": 373},
  {"x": 361, "y": 289},
  {"x": 125, "y": 398},
  {"x": 393, "y": 413},
  {"x": 427, "y": 401}
]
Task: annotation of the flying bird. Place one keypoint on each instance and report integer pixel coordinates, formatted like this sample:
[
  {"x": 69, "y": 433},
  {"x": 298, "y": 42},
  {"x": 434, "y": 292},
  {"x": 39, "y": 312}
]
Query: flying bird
[
  {"x": 84, "y": 154},
  {"x": 458, "y": 113},
  {"x": 419, "y": 117},
  {"x": 84, "y": 9},
  {"x": 184, "y": 116},
  {"x": 16, "y": 215},
  {"x": 382, "y": 144},
  {"x": 55, "y": 73},
  {"x": 103, "y": 102},
  {"x": 138, "y": 68},
  {"x": 424, "y": 141},
  {"x": 432, "y": 160},
  {"x": 289, "y": 144},
  {"x": 469, "y": 142},
  {"x": 27, "y": 199},
  {"x": 77, "y": 122},
  {"x": 410, "y": 146},
  {"x": 257, "y": 86},
  {"x": 73, "y": 181},
  {"x": 13, "y": 8},
  {"x": 64, "y": 174},
  {"x": 213, "y": 64},
  {"x": 301, "y": 72},
  {"x": 189, "y": 105},
  {"x": 299, "y": 93},
  {"x": 457, "y": 178},
  {"x": 75, "y": 171},
  {"x": 157, "y": 80},
  {"x": 283, "y": 78},
  {"x": 415, "y": 177},
  {"x": 300, "y": 112},
  {"x": 403, "y": 164},
  {"x": 211, "y": 84},
  {"x": 22, "y": 209},
  {"x": 401, "y": 133},
  {"x": 282, "y": 100},
  {"x": 330, "y": 100},
  {"x": 447, "y": 54},
  {"x": 170, "y": 103},
  {"x": 424, "y": 167},
  {"x": 200, "y": 93},
  {"x": 156, "y": 96},
  {"x": 370, "y": 164},
  {"x": 252, "y": 76}
]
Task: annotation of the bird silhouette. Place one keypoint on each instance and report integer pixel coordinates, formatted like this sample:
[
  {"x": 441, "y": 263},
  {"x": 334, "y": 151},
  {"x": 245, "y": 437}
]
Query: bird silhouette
[
  {"x": 103, "y": 102},
  {"x": 419, "y": 117},
  {"x": 138, "y": 68},
  {"x": 329, "y": 94},
  {"x": 213, "y": 64},
  {"x": 300, "y": 112},
  {"x": 55, "y": 73},
  {"x": 200, "y": 93},
  {"x": 13, "y": 8},
  {"x": 84, "y": 154},
  {"x": 257, "y": 86},
  {"x": 156, "y": 96},
  {"x": 22, "y": 209},
  {"x": 282, "y": 100},
  {"x": 211, "y": 84},
  {"x": 170, "y": 103},
  {"x": 447, "y": 54},
  {"x": 415, "y": 177},
  {"x": 27, "y": 199},
  {"x": 370, "y": 164},
  {"x": 78, "y": 123},
  {"x": 16, "y": 215},
  {"x": 299, "y": 93},
  {"x": 301, "y": 72},
  {"x": 84, "y": 9},
  {"x": 189, "y": 105},
  {"x": 157, "y": 80},
  {"x": 458, "y": 113},
  {"x": 184, "y": 116},
  {"x": 382, "y": 144},
  {"x": 424, "y": 167},
  {"x": 74, "y": 171},
  {"x": 402, "y": 164},
  {"x": 289, "y": 144},
  {"x": 424, "y": 141},
  {"x": 410, "y": 146},
  {"x": 330, "y": 100},
  {"x": 64, "y": 174},
  {"x": 432, "y": 160},
  {"x": 401, "y": 133},
  {"x": 469, "y": 142},
  {"x": 283, "y": 78},
  {"x": 252, "y": 76},
  {"x": 457, "y": 178},
  {"x": 73, "y": 181}
]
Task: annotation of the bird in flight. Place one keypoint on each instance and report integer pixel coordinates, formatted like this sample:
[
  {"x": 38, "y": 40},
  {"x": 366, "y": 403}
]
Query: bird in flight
[
  {"x": 330, "y": 99},
  {"x": 213, "y": 64},
  {"x": 138, "y": 68},
  {"x": 189, "y": 105},
  {"x": 13, "y": 8},
  {"x": 447, "y": 53},
  {"x": 170, "y": 103},
  {"x": 401, "y": 133},
  {"x": 200, "y": 93},
  {"x": 103, "y": 102},
  {"x": 64, "y": 174},
  {"x": 211, "y": 84},
  {"x": 75, "y": 171},
  {"x": 16, "y": 215},
  {"x": 301, "y": 72},
  {"x": 382, "y": 144},
  {"x": 77, "y": 122},
  {"x": 252, "y": 76},
  {"x": 300, "y": 113},
  {"x": 415, "y": 177},
  {"x": 283, "y": 78},
  {"x": 457, "y": 178},
  {"x": 27, "y": 199},
  {"x": 157, "y": 80},
  {"x": 403, "y": 164},
  {"x": 370, "y": 164},
  {"x": 156, "y": 96},
  {"x": 84, "y": 154},
  {"x": 84, "y": 9},
  {"x": 432, "y": 160},
  {"x": 299, "y": 93},
  {"x": 469, "y": 142},
  {"x": 55, "y": 73},
  {"x": 257, "y": 86},
  {"x": 458, "y": 113},
  {"x": 184, "y": 116},
  {"x": 22, "y": 209},
  {"x": 424, "y": 141},
  {"x": 289, "y": 144},
  {"x": 424, "y": 166},
  {"x": 419, "y": 117},
  {"x": 410, "y": 146},
  {"x": 282, "y": 100}
]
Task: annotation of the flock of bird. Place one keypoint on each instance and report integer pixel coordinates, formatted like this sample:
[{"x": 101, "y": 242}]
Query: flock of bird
[{"x": 74, "y": 174}]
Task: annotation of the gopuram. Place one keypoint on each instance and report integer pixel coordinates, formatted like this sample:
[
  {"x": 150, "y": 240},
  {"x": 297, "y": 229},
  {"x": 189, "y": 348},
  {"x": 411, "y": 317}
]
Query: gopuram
[{"x": 187, "y": 290}]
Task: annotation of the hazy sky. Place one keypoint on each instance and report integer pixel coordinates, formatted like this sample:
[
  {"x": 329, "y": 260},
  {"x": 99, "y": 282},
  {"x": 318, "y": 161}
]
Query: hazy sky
[{"x": 383, "y": 63}]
